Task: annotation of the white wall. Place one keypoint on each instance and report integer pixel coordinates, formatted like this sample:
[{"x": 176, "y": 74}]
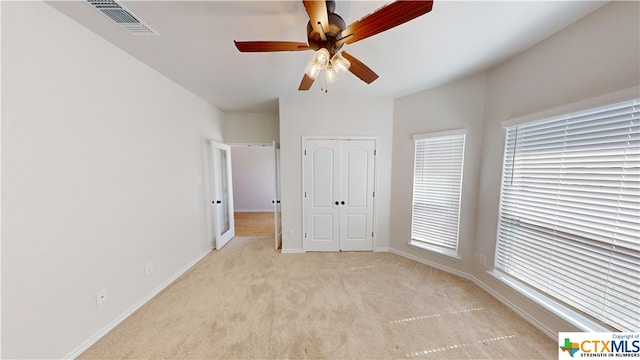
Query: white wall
[
  {"x": 253, "y": 169},
  {"x": 100, "y": 167},
  {"x": 100, "y": 162},
  {"x": 458, "y": 105},
  {"x": 326, "y": 115},
  {"x": 597, "y": 55},
  {"x": 250, "y": 127}
]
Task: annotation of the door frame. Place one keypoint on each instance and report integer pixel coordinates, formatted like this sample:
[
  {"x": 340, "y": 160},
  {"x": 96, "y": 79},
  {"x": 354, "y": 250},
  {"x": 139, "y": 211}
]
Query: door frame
[
  {"x": 304, "y": 140},
  {"x": 277, "y": 207}
]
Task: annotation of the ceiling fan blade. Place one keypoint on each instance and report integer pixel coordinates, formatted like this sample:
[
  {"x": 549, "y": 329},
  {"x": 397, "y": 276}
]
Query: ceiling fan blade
[
  {"x": 385, "y": 18},
  {"x": 267, "y": 46},
  {"x": 318, "y": 17},
  {"x": 360, "y": 70},
  {"x": 306, "y": 83}
]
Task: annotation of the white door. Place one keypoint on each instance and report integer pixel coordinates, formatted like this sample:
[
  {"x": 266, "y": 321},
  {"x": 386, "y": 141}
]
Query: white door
[
  {"x": 356, "y": 203},
  {"x": 276, "y": 202},
  {"x": 321, "y": 197},
  {"x": 338, "y": 194},
  {"x": 222, "y": 202}
]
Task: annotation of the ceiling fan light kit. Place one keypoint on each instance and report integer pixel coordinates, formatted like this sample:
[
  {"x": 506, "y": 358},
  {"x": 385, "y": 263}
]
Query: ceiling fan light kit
[
  {"x": 312, "y": 70},
  {"x": 327, "y": 34},
  {"x": 320, "y": 61},
  {"x": 340, "y": 64},
  {"x": 330, "y": 74}
]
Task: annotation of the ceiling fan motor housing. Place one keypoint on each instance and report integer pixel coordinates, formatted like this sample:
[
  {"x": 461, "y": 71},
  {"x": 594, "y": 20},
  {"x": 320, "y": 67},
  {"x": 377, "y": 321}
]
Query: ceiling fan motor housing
[{"x": 332, "y": 32}]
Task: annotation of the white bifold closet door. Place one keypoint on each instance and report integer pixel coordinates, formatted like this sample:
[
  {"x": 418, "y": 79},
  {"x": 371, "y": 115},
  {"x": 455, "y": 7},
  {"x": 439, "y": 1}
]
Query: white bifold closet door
[{"x": 339, "y": 180}]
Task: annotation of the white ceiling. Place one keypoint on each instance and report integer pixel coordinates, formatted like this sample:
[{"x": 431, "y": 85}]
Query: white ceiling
[{"x": 195, "y": 46}]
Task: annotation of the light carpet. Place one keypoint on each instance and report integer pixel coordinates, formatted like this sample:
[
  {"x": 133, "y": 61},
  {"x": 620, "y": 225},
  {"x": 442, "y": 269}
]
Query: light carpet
[{"x": 248, "y": 301}]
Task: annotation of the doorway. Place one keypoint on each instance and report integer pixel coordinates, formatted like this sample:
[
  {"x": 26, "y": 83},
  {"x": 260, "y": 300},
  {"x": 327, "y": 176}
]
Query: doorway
[
  {"x": 257, "y": 190},
  {"x": 254, "y": 223}
]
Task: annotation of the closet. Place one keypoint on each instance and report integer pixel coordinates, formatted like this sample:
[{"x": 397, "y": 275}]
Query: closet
[{"x": 338, "y": 194}]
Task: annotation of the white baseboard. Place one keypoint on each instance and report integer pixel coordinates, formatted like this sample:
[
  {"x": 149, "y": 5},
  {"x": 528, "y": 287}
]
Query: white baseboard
[
  {"x": 87, "y": 344},
  {"x": 292, "y": 251},
  {"x": 530, "y": 319},
  {"x": 453, "y": 271},
  {"x": 526, "y": 316},
  {"x": 381, "y": 249}
]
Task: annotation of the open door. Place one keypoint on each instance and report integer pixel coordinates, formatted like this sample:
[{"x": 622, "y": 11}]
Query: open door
[
  {"x": 222, "y": 202},
  {"x": 276, "y": 203}
]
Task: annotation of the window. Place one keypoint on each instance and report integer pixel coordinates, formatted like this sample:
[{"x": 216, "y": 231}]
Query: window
[
  {"x": 569, "y": 223},
  {"x": 437, "y": 186}
]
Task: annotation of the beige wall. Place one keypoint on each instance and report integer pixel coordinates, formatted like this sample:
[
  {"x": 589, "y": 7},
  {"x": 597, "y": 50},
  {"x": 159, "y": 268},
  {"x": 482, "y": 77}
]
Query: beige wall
[{"x": 101, "y": 162}]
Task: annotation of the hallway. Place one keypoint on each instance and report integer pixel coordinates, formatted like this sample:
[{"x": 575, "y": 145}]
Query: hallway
[{"x": 254, "y": 223}]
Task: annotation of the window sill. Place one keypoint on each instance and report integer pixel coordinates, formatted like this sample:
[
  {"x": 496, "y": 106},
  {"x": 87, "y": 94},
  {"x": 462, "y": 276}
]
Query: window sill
[
  {"x": 436, "y": 250},
  {"x": 570, "y": 316}
]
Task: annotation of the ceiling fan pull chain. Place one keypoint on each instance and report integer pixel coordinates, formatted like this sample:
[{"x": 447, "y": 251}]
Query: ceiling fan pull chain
[{"x": 325, "y": 85}]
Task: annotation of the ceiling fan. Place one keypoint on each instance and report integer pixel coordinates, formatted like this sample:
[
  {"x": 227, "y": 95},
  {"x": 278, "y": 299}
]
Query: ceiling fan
[{"x": 327, "y": 33}]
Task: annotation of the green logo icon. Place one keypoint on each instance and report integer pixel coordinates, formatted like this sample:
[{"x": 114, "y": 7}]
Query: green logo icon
[{"x": 570, "y": 347}]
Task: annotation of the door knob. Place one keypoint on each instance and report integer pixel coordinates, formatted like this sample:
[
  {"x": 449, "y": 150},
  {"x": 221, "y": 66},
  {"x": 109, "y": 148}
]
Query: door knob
[
  {"x": 342, "y": 203},
  {"x": 278, "y": 201},
  {"x": 273, "y": 201},
  {"x": 218, "y": 202},
  {"x": 337, "y": 203}
]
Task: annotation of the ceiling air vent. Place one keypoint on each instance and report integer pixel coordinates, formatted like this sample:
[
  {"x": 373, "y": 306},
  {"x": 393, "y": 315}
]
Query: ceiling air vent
[{"x": 122, "y": 16}]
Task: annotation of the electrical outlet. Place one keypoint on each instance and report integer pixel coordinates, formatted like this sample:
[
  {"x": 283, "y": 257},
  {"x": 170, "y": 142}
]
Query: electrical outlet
[
  {"x": 483, "y": 260},
  {"x": 291, "y": 233},
  {"x": 101, "y": 297},
  {"x": 148, "y": 269}
]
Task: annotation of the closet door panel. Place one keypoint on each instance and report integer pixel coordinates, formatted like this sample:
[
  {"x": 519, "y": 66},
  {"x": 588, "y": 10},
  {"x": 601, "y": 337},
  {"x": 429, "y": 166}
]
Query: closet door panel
[
  {"x": 357, "y": 184},
  {"x": 322, "y": 227},
  {"x": 321, "y": 173},
  {"x": 338, "y": 200},
  {"x": 355, "y": 181}
]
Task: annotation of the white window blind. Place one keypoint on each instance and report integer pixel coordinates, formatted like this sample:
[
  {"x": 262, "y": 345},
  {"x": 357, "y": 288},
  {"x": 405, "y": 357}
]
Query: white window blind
[
  {"x": 569, "y": 221},
  {"x": 437, "y": 185}
]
